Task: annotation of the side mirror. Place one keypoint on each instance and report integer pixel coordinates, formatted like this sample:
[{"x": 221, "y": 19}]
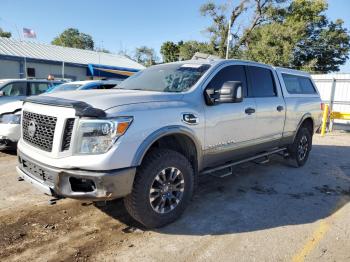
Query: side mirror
[{"x": 230, "y": 92}]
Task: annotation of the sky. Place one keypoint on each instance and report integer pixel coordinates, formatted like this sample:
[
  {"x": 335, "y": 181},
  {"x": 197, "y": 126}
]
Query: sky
[{"x": 123, "y": 25}]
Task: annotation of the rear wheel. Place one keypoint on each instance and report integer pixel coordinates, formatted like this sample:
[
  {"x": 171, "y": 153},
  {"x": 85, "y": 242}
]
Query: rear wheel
[
  {"x": 300, "y": 149},
  {"x": 162, "y": 188}
]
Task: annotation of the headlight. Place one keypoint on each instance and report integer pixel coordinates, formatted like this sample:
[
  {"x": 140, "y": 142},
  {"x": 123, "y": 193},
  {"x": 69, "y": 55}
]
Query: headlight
[
  {"x": 98, "y": 136},
  {"x": 10, "y": 119}
]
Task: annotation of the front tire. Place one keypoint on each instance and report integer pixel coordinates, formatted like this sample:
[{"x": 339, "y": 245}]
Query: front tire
[
  {"x": 301, "y": 147},
  {"x": 162, "y": 188}
]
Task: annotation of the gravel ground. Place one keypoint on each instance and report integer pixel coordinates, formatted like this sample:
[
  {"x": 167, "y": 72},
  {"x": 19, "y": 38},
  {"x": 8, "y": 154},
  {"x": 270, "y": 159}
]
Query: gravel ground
[{"x": 269, "y": 212}]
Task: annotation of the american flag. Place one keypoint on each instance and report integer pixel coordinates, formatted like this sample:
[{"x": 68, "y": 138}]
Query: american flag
[{"x": 29, "y": 33}]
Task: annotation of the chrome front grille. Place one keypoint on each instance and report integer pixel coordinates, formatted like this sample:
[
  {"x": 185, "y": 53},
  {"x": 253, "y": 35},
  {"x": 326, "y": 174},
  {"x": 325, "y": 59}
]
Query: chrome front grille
[{"x": 39, "y": 130}]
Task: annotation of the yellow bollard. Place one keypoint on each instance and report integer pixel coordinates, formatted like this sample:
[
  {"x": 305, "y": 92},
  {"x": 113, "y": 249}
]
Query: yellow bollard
[{"x": 324, "y": 120}]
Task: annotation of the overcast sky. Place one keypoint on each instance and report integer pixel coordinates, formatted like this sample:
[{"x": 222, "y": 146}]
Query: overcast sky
[{"x": 123, "y": 25}]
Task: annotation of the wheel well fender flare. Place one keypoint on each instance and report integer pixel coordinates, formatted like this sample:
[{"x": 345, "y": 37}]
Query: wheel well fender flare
[
  {"x": 164, "y": 131},
  {"x": 305, "y": 116}
]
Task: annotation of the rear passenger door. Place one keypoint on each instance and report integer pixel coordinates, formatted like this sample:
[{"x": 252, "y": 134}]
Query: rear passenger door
[{"x": 270, "y": 105}]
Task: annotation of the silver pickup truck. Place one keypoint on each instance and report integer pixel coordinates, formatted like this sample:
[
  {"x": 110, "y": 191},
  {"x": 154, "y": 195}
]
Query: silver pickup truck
[{"x": 148, "y": 140}]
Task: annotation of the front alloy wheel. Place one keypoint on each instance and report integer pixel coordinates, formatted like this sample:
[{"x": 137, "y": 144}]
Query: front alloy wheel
[
  {"x": 167, "y": 190},
  {"x": 162, "y": 189}
]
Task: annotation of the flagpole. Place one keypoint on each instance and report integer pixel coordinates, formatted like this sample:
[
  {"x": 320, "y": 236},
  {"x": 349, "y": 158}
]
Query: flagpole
[{"x": 19, "y": 34}]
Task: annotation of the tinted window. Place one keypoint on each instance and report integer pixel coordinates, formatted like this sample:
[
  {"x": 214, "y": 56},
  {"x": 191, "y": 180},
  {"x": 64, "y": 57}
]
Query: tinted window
[
  {"x": 261, "y": 81},
  {"x": 15, "y": 89},
  {"x": 298, "y": 84},
  {"x": 38, "y": 88},
  {"x": 229, "y": 73}
]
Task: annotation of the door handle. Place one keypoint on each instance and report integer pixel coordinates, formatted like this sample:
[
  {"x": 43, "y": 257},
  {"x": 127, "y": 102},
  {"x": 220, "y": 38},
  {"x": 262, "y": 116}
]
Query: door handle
[
  {"x": 249, "y": 110},
  {"x": 280, "y": 108}
]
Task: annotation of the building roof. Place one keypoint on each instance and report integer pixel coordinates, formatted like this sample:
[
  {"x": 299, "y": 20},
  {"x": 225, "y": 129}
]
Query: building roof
[{"x": 34, "y": 50}]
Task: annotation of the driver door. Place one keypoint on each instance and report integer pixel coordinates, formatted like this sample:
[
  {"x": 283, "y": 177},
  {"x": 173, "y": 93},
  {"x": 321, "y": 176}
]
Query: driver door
[{"x": 229, "y": 127}]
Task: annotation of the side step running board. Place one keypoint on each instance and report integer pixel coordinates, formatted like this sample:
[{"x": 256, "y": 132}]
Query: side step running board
[{"x": 230, "y": 165}]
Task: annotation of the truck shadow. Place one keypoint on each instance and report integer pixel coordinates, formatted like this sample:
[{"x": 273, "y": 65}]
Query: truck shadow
[{"x": 259, "y": 197}]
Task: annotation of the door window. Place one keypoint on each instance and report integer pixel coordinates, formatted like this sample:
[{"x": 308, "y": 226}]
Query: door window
[
  {"x": 38, "y": 88},
  {"x": 229, "y": 73},
  {"x": 261, "y": 81},
  {"x": 15, "y": 89}
]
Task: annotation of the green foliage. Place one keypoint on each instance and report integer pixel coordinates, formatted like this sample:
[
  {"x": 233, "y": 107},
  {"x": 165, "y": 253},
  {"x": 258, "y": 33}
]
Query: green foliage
[
  {"x": 5, "y": 34},
  {"x": 145, "y": 55},
  {"x": 301, "y": 37},
  {"x": 71, "y": 37},
  {"x": 290, "y": 33},
  {"x": 219, "y": 29},
  {"x": 170, "y": 52},
  {"x": 189, "y": 48}
]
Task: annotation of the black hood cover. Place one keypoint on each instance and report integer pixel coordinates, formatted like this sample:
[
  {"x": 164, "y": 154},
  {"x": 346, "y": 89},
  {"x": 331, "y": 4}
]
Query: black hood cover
[{"x": 82, "y": 109}]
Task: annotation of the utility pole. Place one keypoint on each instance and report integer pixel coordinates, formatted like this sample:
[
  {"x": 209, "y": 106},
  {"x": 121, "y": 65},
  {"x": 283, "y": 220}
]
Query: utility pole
[{"x": 229, "y": 38}]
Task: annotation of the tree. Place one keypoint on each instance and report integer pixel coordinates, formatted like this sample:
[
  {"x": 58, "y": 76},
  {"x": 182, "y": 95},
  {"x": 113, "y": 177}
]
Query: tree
[
  {"x": 189, "y": 48},
  {"x": 5, "y": 34},
  {"x": 71, "y": 37},
  {"x": 287, "y": 33},
  {"x": 125, "y": 52},
  {"x": 145, "y": 55},
  {"x": 218, "y": 31},
  {"x": 301, "y": 37},
  {"x": 170, "y": 52}
]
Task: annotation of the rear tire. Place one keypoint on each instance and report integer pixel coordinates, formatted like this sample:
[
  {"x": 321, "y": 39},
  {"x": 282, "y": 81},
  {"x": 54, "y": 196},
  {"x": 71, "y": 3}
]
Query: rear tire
[
  {"x": 162, "y": 188},
  {"x": 301, "y": 147}
]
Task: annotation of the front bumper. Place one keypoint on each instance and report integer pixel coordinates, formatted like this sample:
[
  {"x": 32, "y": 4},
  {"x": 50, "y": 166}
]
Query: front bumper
[{"x": 79, "y": 184}]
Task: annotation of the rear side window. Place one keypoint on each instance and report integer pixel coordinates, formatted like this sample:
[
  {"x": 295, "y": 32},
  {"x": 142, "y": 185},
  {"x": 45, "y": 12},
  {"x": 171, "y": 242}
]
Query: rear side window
[
  {"x": 298, "y": 84},
  {"x": 261, "y": 81},
  {"x": 38, "y": 88},
  {"x": 229, "y": 73}
]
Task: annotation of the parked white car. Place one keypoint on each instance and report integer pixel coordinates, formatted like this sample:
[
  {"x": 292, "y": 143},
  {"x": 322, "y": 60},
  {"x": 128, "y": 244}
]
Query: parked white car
[
  {"x": 12, "y": 92},
  {"x": 10, "y": 128}
]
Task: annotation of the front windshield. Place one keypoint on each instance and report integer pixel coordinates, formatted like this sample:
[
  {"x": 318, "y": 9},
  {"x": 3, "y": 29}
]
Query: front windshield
[
  {"x": 166, "y": 78},
  {"x": 66, "y": 87}
]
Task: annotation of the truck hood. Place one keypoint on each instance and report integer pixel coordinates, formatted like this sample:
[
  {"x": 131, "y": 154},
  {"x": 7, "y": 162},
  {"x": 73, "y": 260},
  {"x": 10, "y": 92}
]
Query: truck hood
[{"x": 106, "y": 99}]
